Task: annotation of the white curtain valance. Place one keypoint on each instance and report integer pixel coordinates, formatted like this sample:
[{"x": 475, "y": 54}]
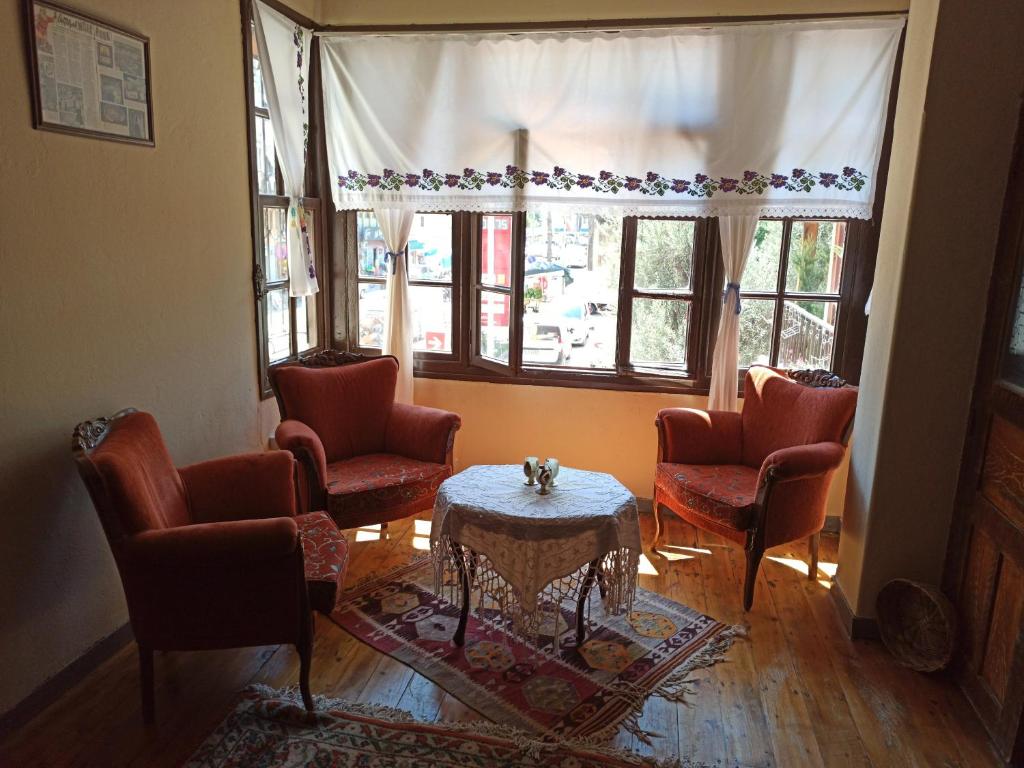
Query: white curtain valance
[
  {"x": 777, "y": 119},
  {"x": 284, "y": 59}
]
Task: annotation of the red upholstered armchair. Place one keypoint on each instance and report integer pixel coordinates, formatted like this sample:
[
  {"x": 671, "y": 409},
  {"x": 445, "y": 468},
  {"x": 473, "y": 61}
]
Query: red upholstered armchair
[
  {"x": 367, "y": 459},
  {"x": 211, "y": 555},
  {"x": 760, "y": 477}
]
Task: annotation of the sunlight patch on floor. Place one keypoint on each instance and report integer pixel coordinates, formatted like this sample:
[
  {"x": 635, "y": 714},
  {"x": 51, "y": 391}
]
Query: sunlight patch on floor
[
  {"x": 370, "y": 533},
  {"x": 646, "y": 568},
  {"x": 829, "y": 569},
  {"x": 671, "y": 552},
  {"x": 421, "y": 542},
  {"x": 421, "y": 527},
  {"x": 791, "y": 562}
]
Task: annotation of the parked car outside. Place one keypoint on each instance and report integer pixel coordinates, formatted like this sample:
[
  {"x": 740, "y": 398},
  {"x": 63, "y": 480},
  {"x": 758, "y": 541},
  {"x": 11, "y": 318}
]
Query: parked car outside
[{"x": 544, "y": 342}]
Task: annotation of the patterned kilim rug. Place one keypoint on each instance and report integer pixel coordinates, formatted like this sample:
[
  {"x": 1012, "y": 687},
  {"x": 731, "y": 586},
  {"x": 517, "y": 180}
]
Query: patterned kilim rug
[
  {"x": 586, "y": 692},
  {"x": 270, "y": 728}
]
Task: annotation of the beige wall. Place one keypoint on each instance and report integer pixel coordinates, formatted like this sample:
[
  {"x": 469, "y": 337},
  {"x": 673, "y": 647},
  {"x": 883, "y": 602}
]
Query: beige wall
[
  {"x": 935, "y": 260},
  {"x": 907, "y": 126},
  {"x": 124, "y": 280}
]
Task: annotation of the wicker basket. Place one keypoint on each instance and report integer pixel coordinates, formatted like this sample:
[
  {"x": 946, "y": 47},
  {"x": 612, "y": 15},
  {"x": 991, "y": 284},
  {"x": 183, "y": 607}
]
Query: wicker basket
[{"x": 917, "y": 623}]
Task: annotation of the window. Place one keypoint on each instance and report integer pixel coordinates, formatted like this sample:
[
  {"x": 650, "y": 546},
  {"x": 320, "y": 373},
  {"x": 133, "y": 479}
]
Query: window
[
  {"x": 492, "y": 291},
  {"x": 570, "y": 289},
  {"x": 578, "y": 299},
  {"x": 286, "y": 326},
  {"x": 663, "y": 293},
  {"x": 430, "y": 256},
  {"x": 791, "y": 291}
]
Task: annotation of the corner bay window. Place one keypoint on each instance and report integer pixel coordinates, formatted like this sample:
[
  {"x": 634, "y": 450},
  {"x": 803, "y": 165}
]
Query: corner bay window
[
  {"x": 550, "y": 296},
  {"x": 577, "y": 240}
]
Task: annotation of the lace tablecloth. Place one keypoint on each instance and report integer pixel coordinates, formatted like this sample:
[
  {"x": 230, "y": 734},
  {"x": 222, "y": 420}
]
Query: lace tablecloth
[{"x": 529, "y": 552}]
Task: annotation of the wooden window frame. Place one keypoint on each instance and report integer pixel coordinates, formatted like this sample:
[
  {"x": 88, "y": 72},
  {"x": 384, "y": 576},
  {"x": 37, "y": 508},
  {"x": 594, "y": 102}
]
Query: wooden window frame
[
  {"x": 693, "y": 369},
  {"x": 781, "y": 295},
  {"x": 350, "y": 237},
  {"x": 465, "y": 362},
  {"x": 259, "y": 202}
]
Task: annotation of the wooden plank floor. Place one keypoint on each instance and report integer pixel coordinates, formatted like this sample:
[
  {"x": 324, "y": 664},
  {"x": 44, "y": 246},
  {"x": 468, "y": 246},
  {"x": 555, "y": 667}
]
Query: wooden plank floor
[{"x": 797, "y": 692}]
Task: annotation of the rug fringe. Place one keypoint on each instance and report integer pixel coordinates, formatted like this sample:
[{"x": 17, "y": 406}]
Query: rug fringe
[
  {"x": 680, "y": 684},
  {"x": 531, "y": 744}
]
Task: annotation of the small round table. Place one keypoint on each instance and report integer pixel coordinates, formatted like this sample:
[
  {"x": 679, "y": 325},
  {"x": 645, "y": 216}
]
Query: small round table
[{"x": 519, "y": 547}]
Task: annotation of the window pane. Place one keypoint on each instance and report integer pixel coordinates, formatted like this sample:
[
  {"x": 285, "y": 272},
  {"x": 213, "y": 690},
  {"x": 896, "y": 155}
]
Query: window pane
[
  {"x": 808, "y": 334},
  {"x": 278, "y": 321},
  {"x": 664, "y": 255},
  {"x": 275, "y": 244},
  {"x": 496, "y": 250},
  {"x": 495, "y": 313},
  {"x": 571, "y": 300},
  {"x": 757, "y": 323},
  {"x": 266, "y": 170},
  {"x": 258, "y": 88},
  {"x": 371, "y": 314},
  {"x": 305, "y": 322},
  {"x": 762, "y": 270},
  {"x": 431, "y": 318},
  {"x": 371, "y": 248},
  {"x": 816, "y": 256},
  {"x": 660, "y": 331},
  {"x": 430, "y": 247}
]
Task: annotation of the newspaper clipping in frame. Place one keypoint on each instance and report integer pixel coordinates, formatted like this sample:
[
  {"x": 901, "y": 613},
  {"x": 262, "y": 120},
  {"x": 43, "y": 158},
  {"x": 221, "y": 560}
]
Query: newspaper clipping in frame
[{"x": 91, "y": 77}]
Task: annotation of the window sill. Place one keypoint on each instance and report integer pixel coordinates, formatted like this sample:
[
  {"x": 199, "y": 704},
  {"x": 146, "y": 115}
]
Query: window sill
[{"x": 549, "y": 378}]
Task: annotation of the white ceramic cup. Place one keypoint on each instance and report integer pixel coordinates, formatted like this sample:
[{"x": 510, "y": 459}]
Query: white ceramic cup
[
  {"x": 531, "y": 466},
  {"x": 553, "y": 466}
]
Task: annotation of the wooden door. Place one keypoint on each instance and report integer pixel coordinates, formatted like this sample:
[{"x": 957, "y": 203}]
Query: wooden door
[{"x": 985, "y": 567}]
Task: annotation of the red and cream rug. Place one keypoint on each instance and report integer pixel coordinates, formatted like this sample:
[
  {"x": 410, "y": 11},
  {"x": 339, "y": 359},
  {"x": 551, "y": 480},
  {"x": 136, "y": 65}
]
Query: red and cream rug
[
  {"x": 587, "y": 692},
  {"x": 271, "y": 728}
]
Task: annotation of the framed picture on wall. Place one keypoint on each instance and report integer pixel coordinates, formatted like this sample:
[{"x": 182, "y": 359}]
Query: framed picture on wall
[{"x": 89, "y": 77}]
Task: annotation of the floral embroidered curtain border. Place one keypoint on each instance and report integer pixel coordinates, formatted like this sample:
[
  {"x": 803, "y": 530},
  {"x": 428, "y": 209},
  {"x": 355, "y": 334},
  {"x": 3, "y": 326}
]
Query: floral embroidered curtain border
[{"x": 771, "y": 119}]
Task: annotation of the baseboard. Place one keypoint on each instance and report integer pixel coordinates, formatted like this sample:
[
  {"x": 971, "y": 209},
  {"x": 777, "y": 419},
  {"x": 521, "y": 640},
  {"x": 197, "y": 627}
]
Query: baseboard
[
  {"x": 645, "y": 505},
  {"x": 857, "y": 627},
  {"x": 63, "y": 681}
]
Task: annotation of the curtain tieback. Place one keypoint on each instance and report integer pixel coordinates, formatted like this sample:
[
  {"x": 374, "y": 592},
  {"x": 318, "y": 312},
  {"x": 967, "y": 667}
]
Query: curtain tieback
[
  {"x": 732, "y": 288},
  {"x": 392, "y": 260}
]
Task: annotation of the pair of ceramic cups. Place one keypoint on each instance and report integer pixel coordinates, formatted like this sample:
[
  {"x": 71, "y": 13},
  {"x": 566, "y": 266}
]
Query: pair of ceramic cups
[{"x": 544, "y": 474}]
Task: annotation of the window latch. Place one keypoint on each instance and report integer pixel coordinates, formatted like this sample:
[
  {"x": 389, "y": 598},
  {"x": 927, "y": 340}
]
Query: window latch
[{"x": 259, "y": 281}]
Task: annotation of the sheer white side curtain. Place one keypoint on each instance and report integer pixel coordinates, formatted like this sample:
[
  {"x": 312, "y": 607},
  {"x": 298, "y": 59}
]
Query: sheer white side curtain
[
  {"x": 737, "y": 235},
  {"x": 395, "y": 226},
  {"x": 284, "y": 62}
]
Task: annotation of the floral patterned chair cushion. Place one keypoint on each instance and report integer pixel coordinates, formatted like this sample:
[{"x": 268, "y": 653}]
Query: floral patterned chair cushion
[
  {"x": 380, "y": 487},
  {"x": 325, "y": 553},
  {"x": 721, "y": 493}
]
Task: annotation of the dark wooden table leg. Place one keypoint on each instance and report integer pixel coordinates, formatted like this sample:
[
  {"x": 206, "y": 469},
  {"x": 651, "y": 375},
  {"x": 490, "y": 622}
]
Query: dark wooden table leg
[
  {"x": 581, "y": 602},
  {"x": 460, "y": 563}
]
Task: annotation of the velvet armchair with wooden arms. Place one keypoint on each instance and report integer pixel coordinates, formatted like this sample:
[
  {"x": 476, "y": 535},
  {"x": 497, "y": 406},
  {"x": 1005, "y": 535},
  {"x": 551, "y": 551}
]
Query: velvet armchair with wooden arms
[
  {"x": 366, "y": 458},
  {"x": 760, "y": 477},
  {"x": 211, "y": 555}
]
